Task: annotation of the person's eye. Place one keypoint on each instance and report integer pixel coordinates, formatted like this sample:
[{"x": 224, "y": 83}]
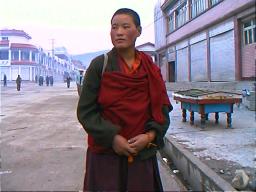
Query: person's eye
[
  {"x": 114, "y": 27},
  {"x": 126, "y": 27}
]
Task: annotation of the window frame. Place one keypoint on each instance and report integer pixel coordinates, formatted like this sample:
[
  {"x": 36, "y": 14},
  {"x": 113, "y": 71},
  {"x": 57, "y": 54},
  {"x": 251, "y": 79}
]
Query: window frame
[
  {"x": 24, "y": 55},
  {"x": 215, "y": 2},
  {"x": 14, "y": 55},
  {"x": 171, "y": 23},
  {"x": 5, "y": 38},
  {"x": 249, "y": 32},
  {"x": 4, "y": 54},
  {"x": 197, "y": 7},
  {"x": 181, "y": 15}
]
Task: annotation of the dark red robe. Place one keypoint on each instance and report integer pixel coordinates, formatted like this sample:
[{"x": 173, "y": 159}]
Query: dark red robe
[{"x": 130, "y": 100}]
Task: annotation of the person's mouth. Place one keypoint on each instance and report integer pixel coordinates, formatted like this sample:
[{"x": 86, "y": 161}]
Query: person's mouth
[{"x": 120, "y": 40}]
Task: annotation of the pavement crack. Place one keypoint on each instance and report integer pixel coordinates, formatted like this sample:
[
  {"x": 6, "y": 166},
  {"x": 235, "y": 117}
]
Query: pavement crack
[{"x": 17, "y": 128}]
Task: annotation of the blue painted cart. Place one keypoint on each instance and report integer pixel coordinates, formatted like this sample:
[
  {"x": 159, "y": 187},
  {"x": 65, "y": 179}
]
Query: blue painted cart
[{"x": 205, "y": 102}]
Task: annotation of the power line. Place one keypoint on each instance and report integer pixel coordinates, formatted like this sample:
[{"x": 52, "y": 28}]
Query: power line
[{"x": 155, "y": 20}]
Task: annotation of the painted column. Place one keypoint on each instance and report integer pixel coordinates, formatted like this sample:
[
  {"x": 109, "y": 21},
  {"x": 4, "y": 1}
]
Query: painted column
[
  {"x": 10, "y": 55},
  {"x": 19, "y": 55},
  {"x": 31, "y": 73},
  {"x": 208, "y": 4},
  {"x": 237, "y": 37},
  {"x": 175, "y": 49},
  {"x": 30, "y": 55},
  {"x": 189, "y": 63},
  {"x": 208, "y": 56},
  {"x": 175, "y": 19},
  {"x": 188, "y": 16}
]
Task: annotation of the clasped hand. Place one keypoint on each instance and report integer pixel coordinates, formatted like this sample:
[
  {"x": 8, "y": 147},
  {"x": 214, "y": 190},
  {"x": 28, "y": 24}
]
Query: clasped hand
[{"x": 131, "y": 147}]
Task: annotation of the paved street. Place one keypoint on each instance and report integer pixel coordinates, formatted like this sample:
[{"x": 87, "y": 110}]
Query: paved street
[
  {"x": 42, "y": 144},
  {"x": 223, "y": 150}
]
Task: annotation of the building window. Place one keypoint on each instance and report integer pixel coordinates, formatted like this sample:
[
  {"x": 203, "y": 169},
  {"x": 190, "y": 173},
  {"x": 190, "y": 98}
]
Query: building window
[
  {"x": 249, "y": 31},
  {"x": 25, "y": 55},
  {"x": 4, "y": 54},
  {"x": 171, "y": 22},
  {"x": 214, "y": 2},
  {"x": 197, "y": 7},
  {"x": 4, "y": 38},
  {"x": 33, "y": 56},
  {"x": 15, "y": 55},
  {"x": 41, "y": 59},
  {"x": 181, "y": 15}
]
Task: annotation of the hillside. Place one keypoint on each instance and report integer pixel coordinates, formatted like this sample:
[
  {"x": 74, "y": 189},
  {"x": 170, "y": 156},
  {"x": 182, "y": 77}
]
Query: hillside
[{"x": 87, "y": 57}]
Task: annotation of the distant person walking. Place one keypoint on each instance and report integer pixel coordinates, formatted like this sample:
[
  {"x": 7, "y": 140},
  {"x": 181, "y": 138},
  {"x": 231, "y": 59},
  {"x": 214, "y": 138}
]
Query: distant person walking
[
  {"x": 80, "y": 77},
  {"x": 18, "y": 82},
  {"x": 47, "y": 80},
  {"x": 51, "y": 80},
  {"x": 5, "y": 80},
  {"x": 68, "y": 81},
  {"x": 41, "y": 80}
]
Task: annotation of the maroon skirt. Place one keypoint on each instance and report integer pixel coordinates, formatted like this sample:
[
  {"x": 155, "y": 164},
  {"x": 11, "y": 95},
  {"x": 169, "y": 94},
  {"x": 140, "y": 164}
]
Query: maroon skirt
[{"x": 110, "y": 172}]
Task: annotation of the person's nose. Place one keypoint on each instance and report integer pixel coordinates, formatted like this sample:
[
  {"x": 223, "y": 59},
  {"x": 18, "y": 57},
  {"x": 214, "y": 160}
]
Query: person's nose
[{"x": 119, "y": 31}]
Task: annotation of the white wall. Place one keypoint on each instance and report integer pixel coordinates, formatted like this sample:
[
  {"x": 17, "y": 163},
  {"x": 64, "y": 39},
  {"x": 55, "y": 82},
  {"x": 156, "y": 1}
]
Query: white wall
[
  {"x": 160, "y": 26},
  {"x": 18, "y": 39}
]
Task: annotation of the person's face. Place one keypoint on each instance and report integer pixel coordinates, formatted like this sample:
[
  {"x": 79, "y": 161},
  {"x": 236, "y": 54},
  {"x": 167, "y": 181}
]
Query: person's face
[{"x": 123, "y": 31}]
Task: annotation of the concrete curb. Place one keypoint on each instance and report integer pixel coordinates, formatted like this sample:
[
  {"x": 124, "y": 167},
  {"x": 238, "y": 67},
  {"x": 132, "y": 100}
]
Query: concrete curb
[
  {"x": 170, "y": 181},
  {"x": 198, "y": 175}
]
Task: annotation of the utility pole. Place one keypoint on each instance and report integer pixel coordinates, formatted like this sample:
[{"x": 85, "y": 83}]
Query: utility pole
[
  {"x": 52, "y": 60},
  {"x": 52, "y": 40}
]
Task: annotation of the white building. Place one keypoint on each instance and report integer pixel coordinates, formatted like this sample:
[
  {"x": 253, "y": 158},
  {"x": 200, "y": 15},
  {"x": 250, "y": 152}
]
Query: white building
[
  {"x": 19, "y": 57},
  {"x": 148, "y": 48}
]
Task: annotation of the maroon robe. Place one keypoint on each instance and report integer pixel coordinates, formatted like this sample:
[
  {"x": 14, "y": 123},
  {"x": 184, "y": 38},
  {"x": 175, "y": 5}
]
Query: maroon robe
[{"x": 128, "y": 101}]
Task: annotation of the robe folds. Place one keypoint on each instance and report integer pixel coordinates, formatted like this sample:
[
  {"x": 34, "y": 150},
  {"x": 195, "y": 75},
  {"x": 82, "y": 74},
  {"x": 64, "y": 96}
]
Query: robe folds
[
  {"x": 130, "y": 100},
  {"x": 125, "y": 104}
]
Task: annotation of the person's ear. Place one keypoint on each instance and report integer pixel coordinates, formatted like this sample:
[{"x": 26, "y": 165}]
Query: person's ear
[{"x": 139, "y": 30}]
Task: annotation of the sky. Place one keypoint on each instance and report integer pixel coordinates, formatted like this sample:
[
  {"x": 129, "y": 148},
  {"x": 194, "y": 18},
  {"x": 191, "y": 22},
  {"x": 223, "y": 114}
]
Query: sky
[{"x": 82, "y": 26}]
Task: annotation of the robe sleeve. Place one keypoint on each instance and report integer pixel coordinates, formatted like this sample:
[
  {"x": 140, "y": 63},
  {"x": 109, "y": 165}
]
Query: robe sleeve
[
  {"x": 88, "y": 109},
  {"x": 160, "y": 129},
  {"x": 160, "y": 132}
]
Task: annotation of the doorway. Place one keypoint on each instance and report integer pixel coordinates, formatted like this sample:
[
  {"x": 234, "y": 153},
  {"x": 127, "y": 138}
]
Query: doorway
[{"x": 171, "y": 71}]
